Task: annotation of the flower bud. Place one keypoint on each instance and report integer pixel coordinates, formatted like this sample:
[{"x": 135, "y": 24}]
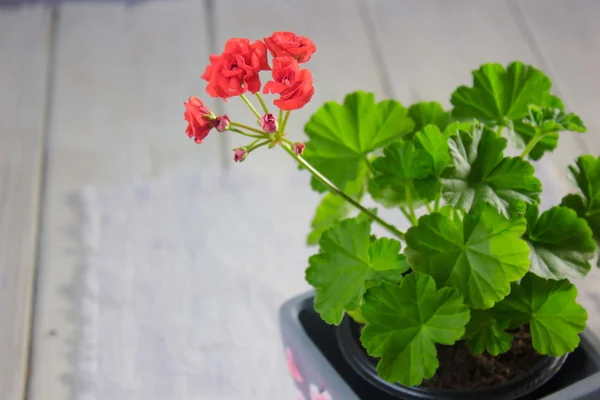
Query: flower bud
[
  {"x": 299, "y": 148},
  {"x": 222, "y": 123},
  {"x": 268, "y": 122},
  {"x": 239, "y": 155}
]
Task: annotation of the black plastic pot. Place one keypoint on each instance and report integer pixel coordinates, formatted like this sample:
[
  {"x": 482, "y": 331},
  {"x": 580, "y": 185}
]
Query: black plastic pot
[
  {"x": 365, "y": 366},
  {"x": 321, "y": 372}
]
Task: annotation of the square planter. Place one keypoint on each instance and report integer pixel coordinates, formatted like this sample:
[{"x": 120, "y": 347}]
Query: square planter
[{"x": 320, "y": 372}]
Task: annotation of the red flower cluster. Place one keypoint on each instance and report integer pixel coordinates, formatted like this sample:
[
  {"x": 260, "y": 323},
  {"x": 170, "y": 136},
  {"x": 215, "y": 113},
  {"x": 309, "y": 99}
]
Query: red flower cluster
[
  {"x": 295, "y": 86},
  {"x": 236, "y": 70}
]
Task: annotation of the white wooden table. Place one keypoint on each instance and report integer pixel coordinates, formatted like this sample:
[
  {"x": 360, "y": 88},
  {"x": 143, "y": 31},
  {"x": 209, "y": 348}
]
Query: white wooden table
[{"x": 137, "y": 265}]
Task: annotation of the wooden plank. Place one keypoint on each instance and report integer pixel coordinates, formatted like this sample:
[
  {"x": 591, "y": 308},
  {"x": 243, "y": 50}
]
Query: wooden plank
[
  {"x": 430, "y": 47},
  {"x": 24, "y": 49},
  {"x": 121, "y": 76}
]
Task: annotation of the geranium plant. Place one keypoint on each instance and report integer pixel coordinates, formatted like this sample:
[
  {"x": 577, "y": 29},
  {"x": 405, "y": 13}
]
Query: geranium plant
[{"x": 480, "y": 260}]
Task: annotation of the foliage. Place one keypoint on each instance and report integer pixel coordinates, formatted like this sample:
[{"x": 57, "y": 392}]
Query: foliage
[{"x": 483, "y": 259}]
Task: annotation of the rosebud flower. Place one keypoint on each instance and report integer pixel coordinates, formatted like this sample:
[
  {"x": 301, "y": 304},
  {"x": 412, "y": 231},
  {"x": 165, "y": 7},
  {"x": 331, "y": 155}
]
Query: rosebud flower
[
  {"x": 222, "y": 123},
  {"x": 268, "y": 122},
  {"x": 299, "y": 148},
  {"x": 239, "y": 155},
  {"x": 199, "y": 119}
]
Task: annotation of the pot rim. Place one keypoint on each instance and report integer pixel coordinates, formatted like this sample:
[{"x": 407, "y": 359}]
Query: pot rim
[{"x": 358, "y": 359}]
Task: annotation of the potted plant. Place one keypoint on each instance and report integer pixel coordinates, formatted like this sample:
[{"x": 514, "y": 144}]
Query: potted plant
[{"x": 475, "y": 300}]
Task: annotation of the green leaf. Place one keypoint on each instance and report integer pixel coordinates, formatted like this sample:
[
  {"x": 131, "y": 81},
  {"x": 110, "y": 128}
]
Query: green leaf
[
  {"x": 334, "y": 208},
  {"x": 486, "y": 332},
  {"x": 546, "y": 121},
  {"x": 479, "y": 256},
  {"x": 480, "y": 173},
  {"x": 550, "y": 309},
  {"x": 347, "y": 262},
  {"x": 500, "y": 95},
  {"x": 586, "y": 172},
  {"x": 428, "y": 113},
  {"x": 341, "y": 136},
  {"x": 403, "y": 173},
  {"x": 404, "y": 324},
  {"x": 435, "y": 144},
  {"x": 561, "y": 244}
]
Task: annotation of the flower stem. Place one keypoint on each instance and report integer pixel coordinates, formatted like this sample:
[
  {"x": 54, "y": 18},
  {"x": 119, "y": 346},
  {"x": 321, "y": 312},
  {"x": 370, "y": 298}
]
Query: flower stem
[
  {"x": 247, "y": 127},
  {"x": 409, "y": 203},
  {"x": 284, "y": 123},
  {"x": 245, "y": 133},
  {"x": 408, "y": 216},
  {"x": 280, "y": 119},
  {"x": 250, "y": 105},
  {"x": 261, "y": 144},
  {"x": 429, "y": 207},
  {"x": 262, "y": 103},
  {"x": 436, "y": 205},
  {"x": 534, "y": 140},
  {"x": 334, "y": 189}
]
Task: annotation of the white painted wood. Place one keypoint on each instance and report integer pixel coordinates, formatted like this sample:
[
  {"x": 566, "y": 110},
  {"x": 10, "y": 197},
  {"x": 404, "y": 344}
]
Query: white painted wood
[
  {"x": 23, "y": 73},
  {"x": 121, "y": 75},
  {"x": 430, "y": 47}
]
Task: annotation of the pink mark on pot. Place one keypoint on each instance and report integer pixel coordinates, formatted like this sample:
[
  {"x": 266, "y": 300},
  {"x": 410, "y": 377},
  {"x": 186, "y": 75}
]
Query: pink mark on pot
[
  {"x": 292, "y": 366},
  {"x": 299, "y": 395},
  {"x": 316, "y": 394}
]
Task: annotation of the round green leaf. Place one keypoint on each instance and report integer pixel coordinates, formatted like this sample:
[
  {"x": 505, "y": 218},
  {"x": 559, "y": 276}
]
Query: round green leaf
[
  {"x": 561, "y": 244},
  {"x": 479, "y": 173},
  {"x": 500, "y": 95},
  {"x": 550, "y": 309},
  {"x": 347, "y": 263},
  {"x": 341, "y": 136},
  {"x": 486, "y": 332},
  {"x": 479, "y": 256},
  {"x": 404, "y": 324},
  {"x": 403, "y": 171},
  {"x": 428, "y": 113}
]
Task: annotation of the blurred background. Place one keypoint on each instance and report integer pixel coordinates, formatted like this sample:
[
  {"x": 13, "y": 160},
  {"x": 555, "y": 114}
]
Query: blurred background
[{"x": 135, "y": 264}]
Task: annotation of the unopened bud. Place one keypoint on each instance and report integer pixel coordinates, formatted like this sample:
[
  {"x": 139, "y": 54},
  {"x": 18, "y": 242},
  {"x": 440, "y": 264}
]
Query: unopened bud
[
  {"x": 268, "y": 122},
  {"x": 222, "y": 123},
  {"x": 239, "y": 155},
  {"x": 299, "y": 148}
]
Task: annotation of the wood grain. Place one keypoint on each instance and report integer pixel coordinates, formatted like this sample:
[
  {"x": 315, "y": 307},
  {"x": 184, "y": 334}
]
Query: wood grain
[
  {"x": 121, "y": 75},
  {"x": 23, "y": 71}
]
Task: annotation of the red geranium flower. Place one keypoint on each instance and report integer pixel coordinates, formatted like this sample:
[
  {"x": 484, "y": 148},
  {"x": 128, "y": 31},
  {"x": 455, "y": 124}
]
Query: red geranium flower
[
  {"x": 282, "y": 44},
  {"x": 236, "y": 70},
  {"x": 294, "y": 86},
  {"x": 199, "y": 119}
]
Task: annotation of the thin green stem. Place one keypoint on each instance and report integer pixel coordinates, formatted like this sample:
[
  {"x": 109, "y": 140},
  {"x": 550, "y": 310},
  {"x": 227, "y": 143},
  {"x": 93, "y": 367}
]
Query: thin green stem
[
  {"x": 409, "y": 202},
  {"x": 334, "y": 189},
  {"x": 436, "y": 205},
  {"x": 370, "y": 166},
  {"x": 245, "y": 133},
  {"x": 284, "y": 123},
  {"x": 408, "y": 216},
  {"x": 262, "y": 103},
  {"x": 261, "y": 144},
  {"x": 280, "y": 119},
  {"x": 534, "y": 140},
  {"x": 429, "y": 207},
  {"x": 248, "y": 128},
  {"x": 250, "y": 105}
]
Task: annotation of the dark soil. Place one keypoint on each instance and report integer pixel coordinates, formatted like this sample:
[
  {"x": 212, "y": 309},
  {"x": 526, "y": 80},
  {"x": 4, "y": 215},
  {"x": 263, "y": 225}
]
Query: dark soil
[{"x": 460, "y": 369}]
